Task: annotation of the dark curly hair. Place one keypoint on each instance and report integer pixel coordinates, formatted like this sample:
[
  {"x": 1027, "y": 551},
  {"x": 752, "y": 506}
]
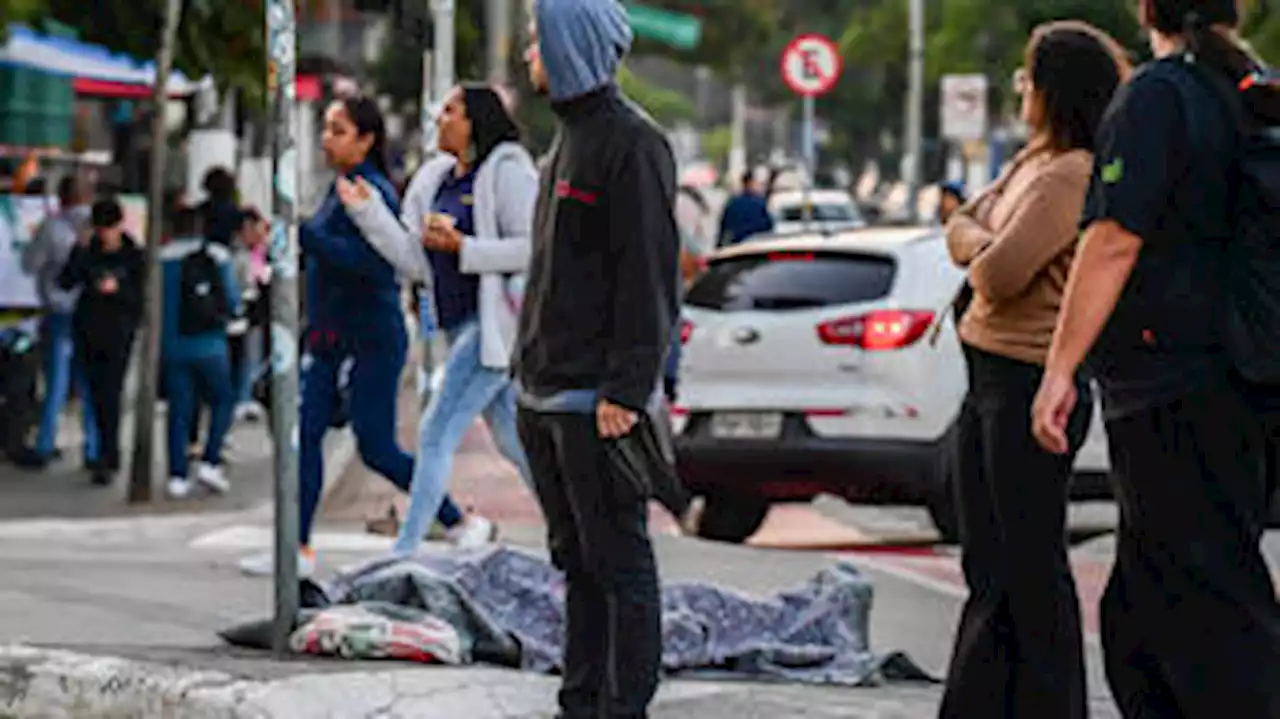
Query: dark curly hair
[{"x": 1074, "y": 69}]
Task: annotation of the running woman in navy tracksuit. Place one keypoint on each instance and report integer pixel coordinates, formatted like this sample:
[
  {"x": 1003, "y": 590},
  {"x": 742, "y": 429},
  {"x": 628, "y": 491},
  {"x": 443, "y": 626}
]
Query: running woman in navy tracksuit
[{"x": 353, "y": 311}]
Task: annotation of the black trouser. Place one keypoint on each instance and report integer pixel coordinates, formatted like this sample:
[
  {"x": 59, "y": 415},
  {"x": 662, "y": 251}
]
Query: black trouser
[
  {"x": 596, "y": 507},
  {"x": 106, "y": 360},
  {"x": 1190, "y": 623},
  {"x": 1018, "y": 650}
]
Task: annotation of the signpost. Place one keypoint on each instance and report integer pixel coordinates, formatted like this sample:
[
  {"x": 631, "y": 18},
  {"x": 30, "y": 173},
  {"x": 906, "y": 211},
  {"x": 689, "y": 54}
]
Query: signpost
[
  {"x": 964, "y": 107},
  {"x": 811, "y": 66},
  {"x": 282, "y": 45}
]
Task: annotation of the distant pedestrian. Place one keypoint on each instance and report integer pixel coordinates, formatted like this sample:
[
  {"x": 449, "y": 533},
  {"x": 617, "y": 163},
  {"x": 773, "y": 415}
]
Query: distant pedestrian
[
  {"x": 1019, "y": 647},
  {"x": 44, "y": 259},
  {"x": 602, "y": 300},
  {"x": 200, "y": 295},
  {"x": 950, "y": 198},
  {"x": 746, "y": 214},
  {"x": 1189, "y": 620},
  {"x": 107, "y": 268}
]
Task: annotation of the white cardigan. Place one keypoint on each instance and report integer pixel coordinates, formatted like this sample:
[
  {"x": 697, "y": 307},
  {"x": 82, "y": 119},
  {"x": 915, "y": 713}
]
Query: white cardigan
[{"x": 506, "y": 190}]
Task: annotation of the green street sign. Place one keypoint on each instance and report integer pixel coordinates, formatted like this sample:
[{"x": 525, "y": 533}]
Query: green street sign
[{"x": 678, "y": 30}]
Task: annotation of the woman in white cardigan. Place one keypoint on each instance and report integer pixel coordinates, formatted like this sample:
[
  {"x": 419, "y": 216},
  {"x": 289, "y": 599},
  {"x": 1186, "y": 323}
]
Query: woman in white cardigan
[{"x": 465, "y": 232}]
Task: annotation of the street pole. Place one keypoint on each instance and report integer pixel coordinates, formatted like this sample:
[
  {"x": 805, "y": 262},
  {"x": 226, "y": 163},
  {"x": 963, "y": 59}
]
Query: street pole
[
  {"x": 140, "y": 479},
  {"x": 282, "y": 46},
  {"x": 738, "y": 132},
  {"x": 915, "y": 108},
  {"x": 809, "y": 148},
  {"x": 438, "y": 67},
  {"x": 498, "y": 24}
]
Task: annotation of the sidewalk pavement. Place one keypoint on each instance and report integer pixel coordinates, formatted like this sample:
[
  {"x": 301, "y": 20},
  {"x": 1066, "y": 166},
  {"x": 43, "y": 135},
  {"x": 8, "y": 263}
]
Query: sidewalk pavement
[{"x": 63, "y": 490}]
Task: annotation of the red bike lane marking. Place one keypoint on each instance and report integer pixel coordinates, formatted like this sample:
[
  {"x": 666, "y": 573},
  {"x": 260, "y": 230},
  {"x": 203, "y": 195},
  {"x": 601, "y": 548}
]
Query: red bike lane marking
[{"x": 1090, "y": 575}]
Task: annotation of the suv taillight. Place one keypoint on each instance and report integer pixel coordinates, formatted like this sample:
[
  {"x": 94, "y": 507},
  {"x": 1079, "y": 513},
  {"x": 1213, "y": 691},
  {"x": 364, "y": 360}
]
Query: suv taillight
[
  {"x": 878, "y": 330},
  {"x": 686, "y": 331}
]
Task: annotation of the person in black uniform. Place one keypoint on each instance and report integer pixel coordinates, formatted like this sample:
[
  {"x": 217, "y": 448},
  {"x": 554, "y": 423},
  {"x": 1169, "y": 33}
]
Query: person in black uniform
[
  {"x": 107, "y": 266},
  {"x": 599, "y": 310},
  {"x": 1190, "y": 622}
]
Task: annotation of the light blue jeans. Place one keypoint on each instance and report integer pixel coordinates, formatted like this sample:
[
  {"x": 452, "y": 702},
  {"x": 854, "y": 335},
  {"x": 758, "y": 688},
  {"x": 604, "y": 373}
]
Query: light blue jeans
[
  {"x": 62, "y": 371},
  {"x": 469, "y": 390}
]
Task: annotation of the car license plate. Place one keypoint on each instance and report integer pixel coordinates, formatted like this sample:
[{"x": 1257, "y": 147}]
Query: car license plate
[{"x": 746, "y": 425}]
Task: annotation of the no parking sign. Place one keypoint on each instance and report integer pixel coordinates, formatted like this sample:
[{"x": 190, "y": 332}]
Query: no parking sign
[{"x": 811, "y": 65}]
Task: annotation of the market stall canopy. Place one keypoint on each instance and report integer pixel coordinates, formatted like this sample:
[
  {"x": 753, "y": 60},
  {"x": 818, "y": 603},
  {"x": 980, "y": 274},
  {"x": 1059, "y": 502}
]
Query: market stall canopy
[{"x": 97, "y": 71}]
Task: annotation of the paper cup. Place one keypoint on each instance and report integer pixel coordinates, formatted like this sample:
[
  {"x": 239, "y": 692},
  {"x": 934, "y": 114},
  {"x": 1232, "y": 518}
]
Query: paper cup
[{"x": 440, "y": 218}]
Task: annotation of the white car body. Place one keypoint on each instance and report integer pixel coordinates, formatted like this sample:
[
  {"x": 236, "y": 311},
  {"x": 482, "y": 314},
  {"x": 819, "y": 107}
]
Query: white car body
[
  {"x": 832, "y": 211},
  {"x": 744, "y": 366}
]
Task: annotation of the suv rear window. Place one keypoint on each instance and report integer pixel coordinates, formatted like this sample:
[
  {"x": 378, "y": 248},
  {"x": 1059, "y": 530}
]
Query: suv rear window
[{"x": 792, "y": 281}]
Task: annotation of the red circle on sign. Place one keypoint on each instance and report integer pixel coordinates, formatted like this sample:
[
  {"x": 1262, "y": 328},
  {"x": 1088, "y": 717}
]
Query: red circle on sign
[{"x": 828, "y": 82}]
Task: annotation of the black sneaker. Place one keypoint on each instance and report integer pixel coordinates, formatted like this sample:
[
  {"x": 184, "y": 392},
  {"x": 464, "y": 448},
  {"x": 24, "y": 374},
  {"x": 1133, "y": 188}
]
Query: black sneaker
[
  {"x": 102, "y": 477},
  {"x": 30, "y": 459}
]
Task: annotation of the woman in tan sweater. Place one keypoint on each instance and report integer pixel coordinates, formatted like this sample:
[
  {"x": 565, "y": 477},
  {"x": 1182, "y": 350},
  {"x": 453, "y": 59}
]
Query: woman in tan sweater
[{"x": 1018, "y": 651}]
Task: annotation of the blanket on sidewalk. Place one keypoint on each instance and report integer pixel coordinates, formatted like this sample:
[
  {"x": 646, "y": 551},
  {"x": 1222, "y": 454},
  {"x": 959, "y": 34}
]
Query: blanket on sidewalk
[{"x": 508, "y": 608}]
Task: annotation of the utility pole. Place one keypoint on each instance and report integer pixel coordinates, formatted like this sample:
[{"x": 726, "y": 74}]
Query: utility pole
[
  {"x": 282, "y": 44},
  {"x": 498, "y": 24},
  {"x": 738, "y": 132},
  {"x": 913, "y": 146},
  {"x": 140, "y": 479},
  {"x": 438, "y": 68}
]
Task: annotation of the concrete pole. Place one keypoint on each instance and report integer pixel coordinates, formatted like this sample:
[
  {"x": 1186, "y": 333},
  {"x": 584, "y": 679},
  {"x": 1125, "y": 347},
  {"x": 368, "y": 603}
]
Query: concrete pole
[
  {"x": 141, "y": 476},
  {"x": 915, "y": 108},
  {"x": 439, "y": 67},
  {"x": 738, "y": 132},
  {"x": 498, "y": 22},
  {"x": 282, "y": 44}
]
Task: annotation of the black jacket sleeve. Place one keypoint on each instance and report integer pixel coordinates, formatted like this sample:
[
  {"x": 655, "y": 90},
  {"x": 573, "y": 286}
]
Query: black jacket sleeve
[
  {"x": 76, "y": 271},
  {"x": 133, "y": 289},
  {"x": 644, "y": 252}
]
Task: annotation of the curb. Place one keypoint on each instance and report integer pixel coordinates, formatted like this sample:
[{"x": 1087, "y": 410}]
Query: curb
[{"x": 39, "y": 683}]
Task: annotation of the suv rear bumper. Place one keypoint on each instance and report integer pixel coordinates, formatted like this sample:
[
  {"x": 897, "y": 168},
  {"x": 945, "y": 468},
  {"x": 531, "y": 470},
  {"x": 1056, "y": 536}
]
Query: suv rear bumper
[{"x": 800, "y": 465}]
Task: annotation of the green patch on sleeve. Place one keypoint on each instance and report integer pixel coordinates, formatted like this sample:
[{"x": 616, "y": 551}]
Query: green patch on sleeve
[{"x": 1113, "y": 171}]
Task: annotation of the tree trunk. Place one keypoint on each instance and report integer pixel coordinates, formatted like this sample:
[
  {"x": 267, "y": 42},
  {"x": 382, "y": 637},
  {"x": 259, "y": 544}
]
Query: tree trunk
[{"x": 141, "y": 480}]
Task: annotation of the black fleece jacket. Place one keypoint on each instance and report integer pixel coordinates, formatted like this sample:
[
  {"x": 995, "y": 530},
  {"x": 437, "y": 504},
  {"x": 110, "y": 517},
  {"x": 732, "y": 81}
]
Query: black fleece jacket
[{"x": 603, "y": 285}]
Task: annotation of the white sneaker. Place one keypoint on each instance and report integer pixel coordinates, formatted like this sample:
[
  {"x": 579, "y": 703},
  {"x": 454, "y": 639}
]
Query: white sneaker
[
  {"x": 264, "y": 565},
  {"x": 214, "y": 477},
  {"x": 475, "y": 531},
  {"x": 249, "y": 412},
  {"x": 178, "y": 488}
]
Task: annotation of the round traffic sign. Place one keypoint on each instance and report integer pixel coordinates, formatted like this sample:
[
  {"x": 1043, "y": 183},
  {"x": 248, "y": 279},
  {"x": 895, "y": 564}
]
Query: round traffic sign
[{"x": 811, "y": 65}]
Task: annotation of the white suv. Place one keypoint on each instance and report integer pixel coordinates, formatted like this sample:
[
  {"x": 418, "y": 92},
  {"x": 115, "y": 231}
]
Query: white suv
[{"x": 828, "y": 365}]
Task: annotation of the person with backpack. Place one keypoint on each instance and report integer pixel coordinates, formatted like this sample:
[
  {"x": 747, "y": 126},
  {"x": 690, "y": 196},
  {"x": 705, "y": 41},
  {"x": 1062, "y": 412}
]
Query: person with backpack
[
  {"x": 200, "y": 295},
  {"x": 1179, "y": 229}
]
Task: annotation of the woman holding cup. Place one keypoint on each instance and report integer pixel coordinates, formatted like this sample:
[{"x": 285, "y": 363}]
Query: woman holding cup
[{"x": 465, "y": 232}]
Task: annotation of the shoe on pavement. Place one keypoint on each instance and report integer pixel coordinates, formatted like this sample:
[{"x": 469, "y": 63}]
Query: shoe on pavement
[
  {"x": 214, "y": 477},
  {"x": 691, "y": 522},
  {"x": 249, "y": 412},
  {"x": 178, "y": 488},
  {"x": 30, "y": 459},
  {"x": 475, "y": 531},
  {"x": 264, "y": 565},
  {"x": 102, "y": 477}
]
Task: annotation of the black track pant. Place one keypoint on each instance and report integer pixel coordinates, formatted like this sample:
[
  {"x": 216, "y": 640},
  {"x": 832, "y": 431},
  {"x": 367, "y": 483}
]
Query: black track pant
[{"x": 1190, "y": 623}]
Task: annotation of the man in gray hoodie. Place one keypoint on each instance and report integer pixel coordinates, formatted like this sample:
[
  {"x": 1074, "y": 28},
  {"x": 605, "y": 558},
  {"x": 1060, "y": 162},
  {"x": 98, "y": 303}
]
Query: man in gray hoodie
[
  {"x": 599, "y": 310},
  {"x": 44, "y": 259}
]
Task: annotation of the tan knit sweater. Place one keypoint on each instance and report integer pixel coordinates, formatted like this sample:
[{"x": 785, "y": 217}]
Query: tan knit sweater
[{"x": 1017, "y": 239}]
